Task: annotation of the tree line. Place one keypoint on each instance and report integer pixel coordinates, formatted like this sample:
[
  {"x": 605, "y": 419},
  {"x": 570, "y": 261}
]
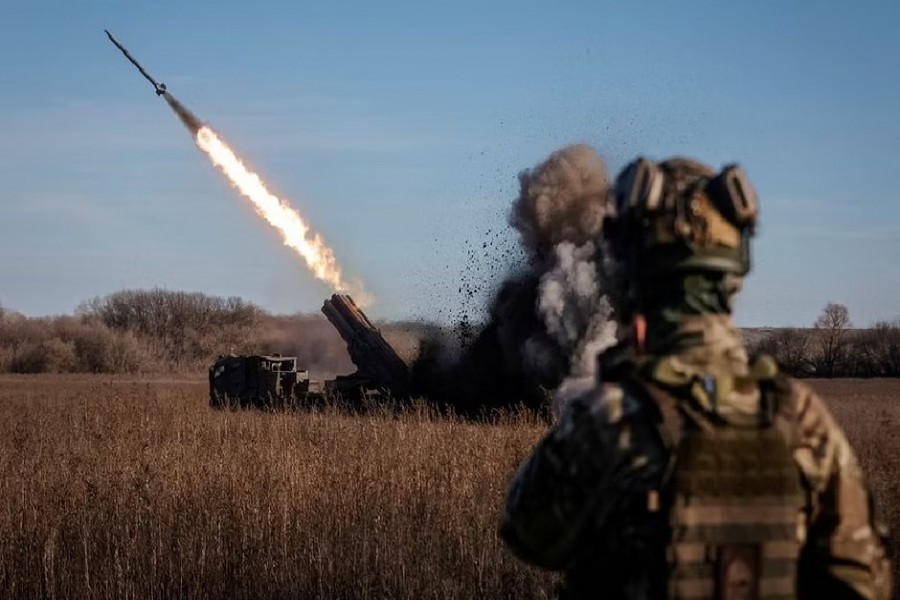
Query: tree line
[
  {"x": 163, "y": 331},
  {"x": 833, "y": 348}
]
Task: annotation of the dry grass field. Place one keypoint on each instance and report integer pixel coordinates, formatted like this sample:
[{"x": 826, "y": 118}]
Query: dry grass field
[{"x": 127, "y": 489}]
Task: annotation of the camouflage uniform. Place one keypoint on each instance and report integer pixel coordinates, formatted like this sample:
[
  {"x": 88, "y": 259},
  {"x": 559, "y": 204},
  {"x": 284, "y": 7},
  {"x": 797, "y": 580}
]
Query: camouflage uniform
[{"x": 587, "y": 500}]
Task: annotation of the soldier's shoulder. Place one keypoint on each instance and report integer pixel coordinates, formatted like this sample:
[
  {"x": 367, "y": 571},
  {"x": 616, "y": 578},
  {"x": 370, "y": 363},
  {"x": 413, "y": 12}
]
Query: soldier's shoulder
[
  {"x": 800, "y": 390},
  {"x": 795, "y": 396},
  {"x": 822, "y": 447},
  {"x": 603, "y": 395},
  {"x": 808, "y": 405}
]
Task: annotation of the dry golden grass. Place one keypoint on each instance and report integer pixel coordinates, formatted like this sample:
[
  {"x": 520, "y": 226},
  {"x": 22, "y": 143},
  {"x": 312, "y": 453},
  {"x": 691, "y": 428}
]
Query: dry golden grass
[
  {"x": 138, "y": 490},
  {"x": 128, "y": 489}
]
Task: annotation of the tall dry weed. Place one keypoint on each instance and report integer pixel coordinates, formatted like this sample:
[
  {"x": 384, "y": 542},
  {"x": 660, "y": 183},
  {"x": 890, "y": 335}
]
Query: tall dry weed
[
  {"x": 131, "y": 489},
  {"x": 138, "y": 490}
]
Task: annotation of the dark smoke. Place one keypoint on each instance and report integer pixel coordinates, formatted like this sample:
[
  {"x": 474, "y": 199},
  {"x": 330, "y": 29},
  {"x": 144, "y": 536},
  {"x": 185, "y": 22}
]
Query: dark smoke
[
  {"x": 187, "y": 117},
  {"x": 548, "y": 322}
]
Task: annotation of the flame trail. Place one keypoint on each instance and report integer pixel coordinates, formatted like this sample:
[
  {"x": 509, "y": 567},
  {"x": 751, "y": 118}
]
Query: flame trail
[{"x": 295, "y": 232}]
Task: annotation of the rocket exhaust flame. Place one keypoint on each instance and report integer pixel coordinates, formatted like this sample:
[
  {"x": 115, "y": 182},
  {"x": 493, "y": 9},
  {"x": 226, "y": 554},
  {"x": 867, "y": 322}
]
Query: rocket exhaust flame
[
  {"x": 278, "y": 213},
  {"x": 295, "y": 232}
]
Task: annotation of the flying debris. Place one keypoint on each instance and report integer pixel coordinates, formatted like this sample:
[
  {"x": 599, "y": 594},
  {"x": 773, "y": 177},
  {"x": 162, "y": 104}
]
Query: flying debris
[{"x": 160, "y": 88}]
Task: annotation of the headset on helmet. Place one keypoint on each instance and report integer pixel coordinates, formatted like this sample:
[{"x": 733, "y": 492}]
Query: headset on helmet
[
  {"x": 640, "y": 192},
  {"x": 693, "y": 197}
]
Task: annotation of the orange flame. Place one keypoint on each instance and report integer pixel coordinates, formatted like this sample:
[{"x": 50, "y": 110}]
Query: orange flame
[{"x": 278, "y": 213}]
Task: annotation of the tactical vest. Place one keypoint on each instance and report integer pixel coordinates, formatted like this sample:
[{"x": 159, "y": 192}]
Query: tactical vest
[{"x": 733, "y": 490}]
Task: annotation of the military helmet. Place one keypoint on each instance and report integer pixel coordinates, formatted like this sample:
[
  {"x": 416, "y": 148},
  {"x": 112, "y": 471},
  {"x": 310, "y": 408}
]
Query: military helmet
[{"x": 681, "y": 216}]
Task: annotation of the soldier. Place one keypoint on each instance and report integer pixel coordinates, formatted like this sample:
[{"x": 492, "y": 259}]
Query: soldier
[{"x": 691, "y": 471}]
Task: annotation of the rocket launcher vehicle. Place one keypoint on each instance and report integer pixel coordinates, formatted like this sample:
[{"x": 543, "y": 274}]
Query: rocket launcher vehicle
[
  {"x": 277, "y": 381},
  {"x": 379, "y": 368}
]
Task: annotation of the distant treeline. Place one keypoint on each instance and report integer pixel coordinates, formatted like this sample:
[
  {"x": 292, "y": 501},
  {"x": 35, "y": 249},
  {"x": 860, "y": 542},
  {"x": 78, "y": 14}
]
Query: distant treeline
[
  {"x": 831, "y": 348},
  {"x": 162, "y": 331}
]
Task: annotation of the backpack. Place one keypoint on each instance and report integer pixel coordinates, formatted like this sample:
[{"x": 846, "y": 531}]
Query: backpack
[{"x": 732, "y": 489}]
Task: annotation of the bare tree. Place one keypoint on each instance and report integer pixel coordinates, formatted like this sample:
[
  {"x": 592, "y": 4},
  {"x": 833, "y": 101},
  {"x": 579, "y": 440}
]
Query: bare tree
[{"x": 831, "y": 329}]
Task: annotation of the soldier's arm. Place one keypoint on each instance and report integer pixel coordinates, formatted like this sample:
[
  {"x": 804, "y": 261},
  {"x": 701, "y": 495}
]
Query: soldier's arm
[
  {"x": 844, "y": 553},
  {"x": 564, "y": 487}
]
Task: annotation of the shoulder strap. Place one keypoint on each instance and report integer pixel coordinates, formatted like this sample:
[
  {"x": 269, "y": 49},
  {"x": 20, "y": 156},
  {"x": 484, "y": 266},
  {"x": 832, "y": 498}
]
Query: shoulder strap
[
  {"x": 666, "y": 404},
  {"x": 776, "y": 394}
]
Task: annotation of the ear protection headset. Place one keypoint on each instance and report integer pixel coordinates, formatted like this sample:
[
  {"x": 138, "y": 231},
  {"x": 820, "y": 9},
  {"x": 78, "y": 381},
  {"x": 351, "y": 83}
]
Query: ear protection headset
[
  {"x": 640, "y": 191},
  {"x": 646, "y": 190}
]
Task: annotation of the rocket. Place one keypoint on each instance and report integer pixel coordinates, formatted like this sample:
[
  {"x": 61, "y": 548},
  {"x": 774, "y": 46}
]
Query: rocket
[{"x": 160, "y": 88}]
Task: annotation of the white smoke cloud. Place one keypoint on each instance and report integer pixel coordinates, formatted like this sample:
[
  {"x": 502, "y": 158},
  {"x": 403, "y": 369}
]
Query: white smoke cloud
[{"x": 577, "y": 313}]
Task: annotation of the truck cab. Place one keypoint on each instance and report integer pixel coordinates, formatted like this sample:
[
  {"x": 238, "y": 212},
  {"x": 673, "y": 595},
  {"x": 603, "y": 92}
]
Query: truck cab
[{"x": 256, "y": 380}]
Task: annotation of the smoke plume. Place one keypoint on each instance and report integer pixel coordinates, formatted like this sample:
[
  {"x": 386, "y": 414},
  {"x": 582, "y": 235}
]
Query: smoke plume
[
  {"x": 561, "y": 200},
  {"x": 549, "y": 321},
  {"x": 187, "y": 117},
  {"x": 575, "y": 311},
  {"x": 559, "y": 215}
]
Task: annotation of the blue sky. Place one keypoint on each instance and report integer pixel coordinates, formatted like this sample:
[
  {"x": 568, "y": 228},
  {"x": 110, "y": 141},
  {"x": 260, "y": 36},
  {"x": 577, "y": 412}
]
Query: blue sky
[{"x": 398, "y": 128}]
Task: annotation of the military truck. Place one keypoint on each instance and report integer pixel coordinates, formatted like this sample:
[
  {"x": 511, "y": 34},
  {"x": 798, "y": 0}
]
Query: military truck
[
  {"x": 258, "y": 380},
  {"x": 276, "y": 381}
]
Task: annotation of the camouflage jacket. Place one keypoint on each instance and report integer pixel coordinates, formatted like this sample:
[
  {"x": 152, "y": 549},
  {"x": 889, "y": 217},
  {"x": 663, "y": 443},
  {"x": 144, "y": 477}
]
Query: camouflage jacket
[{"x": 579, "y": 502}]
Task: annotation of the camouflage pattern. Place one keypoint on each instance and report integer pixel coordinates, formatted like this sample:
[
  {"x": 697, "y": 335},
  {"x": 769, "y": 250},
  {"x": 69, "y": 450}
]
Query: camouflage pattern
[
  {"x": 734, "y": 495},
  {"x": 584, "y": 502}
]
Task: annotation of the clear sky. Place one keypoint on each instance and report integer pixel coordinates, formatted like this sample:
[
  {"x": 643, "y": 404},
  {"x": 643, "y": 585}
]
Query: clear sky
[{"x": 398, "y": 129}]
